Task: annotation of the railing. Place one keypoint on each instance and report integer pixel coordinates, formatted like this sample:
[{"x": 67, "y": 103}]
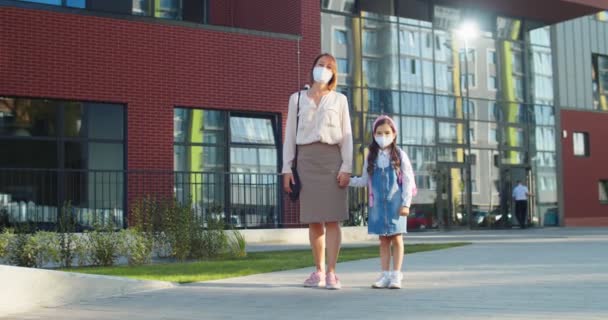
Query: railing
[{"x": 243, "y": 200}]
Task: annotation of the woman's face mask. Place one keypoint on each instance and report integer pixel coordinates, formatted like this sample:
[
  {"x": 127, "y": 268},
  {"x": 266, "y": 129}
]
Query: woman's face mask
[{"x": 321, "y": 74}]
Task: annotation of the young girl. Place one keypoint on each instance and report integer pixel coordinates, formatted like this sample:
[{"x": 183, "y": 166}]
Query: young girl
[{"x": 388, "y": 173}]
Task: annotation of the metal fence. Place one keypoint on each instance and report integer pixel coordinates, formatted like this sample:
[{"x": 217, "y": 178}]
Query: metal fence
[{"x": 243, "y": 200}]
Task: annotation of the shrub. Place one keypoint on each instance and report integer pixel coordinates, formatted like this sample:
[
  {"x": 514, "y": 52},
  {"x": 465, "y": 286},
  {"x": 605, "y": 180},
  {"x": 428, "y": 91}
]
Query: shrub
[
  {"x": 136, "y": 246},
  {"x": 66, "y": 226},
  {"x": 237, "y": 244},
  {"x": 104, "y": 245},
  {"x": 5, "y": 238},
  {"x": 33, "y": 250}
]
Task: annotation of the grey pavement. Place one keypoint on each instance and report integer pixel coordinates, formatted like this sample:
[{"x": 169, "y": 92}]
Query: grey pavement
[{"x": 557, "y": 273}]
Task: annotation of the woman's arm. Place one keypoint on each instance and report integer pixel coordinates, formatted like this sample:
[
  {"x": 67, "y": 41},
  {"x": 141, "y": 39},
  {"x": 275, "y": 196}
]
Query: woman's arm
[
  {"x": 346, "y": 145},
  {"x": 289, "y": 145},
  {"x": 408, "y": 180}
]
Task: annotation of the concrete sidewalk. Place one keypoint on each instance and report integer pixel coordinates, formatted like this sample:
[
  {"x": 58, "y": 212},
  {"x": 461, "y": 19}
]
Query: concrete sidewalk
[{"x": 527, "y": 274}]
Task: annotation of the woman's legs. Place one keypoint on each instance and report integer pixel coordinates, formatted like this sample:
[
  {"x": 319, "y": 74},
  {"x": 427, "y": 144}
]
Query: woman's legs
[
  {"x": 385, "y": 253},
  {"x": 397, "y": 241},
  {"x": 334, "y": 240},
  {"x": 316, "y": 235}
]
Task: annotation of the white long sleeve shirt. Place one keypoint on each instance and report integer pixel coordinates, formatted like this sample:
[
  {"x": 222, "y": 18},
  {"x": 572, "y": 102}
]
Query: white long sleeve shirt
[
  {"x": 382, "y": 161},
  {"x": 328, "y": 122}
]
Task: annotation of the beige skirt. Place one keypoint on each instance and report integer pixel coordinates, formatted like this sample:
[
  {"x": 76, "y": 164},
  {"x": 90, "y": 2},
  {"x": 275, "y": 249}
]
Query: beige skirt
[{"x": 321, "y": 199}]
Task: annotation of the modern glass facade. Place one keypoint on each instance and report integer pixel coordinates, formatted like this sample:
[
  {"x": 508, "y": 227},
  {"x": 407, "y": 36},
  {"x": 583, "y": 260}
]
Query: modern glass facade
[{"x": 475, "y": 115}]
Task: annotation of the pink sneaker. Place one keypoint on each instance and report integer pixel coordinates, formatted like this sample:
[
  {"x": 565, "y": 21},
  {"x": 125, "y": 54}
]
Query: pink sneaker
[
  {"x": 315, "y": 280},
  {"x": 332, "y": 282}
]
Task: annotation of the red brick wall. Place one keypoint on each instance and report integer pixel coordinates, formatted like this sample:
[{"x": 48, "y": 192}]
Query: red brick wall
[
  {"x": 152, "y": 67},
  {"x": 282, "y": 16},
  {"x": 581, "y": 174}
]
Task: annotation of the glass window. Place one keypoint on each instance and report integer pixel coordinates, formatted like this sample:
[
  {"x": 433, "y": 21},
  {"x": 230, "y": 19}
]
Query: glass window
[
  {"x": 251, "y": 130},
  {"x": 381, "y": 101},
  {"x": 340, "y": 36},
  {"x": 28, "y": 117},
  {"x": 485, "y": 134},
  {"x": 449, "y": 107},
  {"x": 417, "y": 104},
  {"x": 105, "y": 156},
  {"x": 417, "y": 131},
  {"x": 105, "y": 121},
  {"x": 76, "y": 3},
  {"x": 198, "y": 126},
  {"x": 423, "y": 160},
  {"x": 545, "y": 138},
  {"x": 451, "y": 132},
  {"x": 198, "y": 158},
  {"x": 342, "y": 65},
  {"x": 580, "y": 142},
  {"x": 28, "y": 154},
  {"x": 142, "y": 7},
  {"x": 513, "y": 137},
  {"x": 445, "y": 154},
  {"x": 513, "y": 157},
  {"x": 600, "y": 82},
  {"x": 603, "y": 191}
]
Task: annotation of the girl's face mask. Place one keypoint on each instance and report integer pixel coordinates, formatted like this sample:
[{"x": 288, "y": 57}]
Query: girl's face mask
[
  {"x": 384, "y": 141},
  {"x": 384, "y": 135}
]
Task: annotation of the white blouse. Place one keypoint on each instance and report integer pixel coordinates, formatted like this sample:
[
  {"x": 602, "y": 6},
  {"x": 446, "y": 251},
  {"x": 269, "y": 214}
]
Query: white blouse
[
  {"x": 328, "y": 122},
  {"x": 382, "y": 161}
]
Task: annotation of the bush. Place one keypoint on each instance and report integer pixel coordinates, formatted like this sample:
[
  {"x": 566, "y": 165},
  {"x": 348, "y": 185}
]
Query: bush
[
  {"x": 33, "y": 250},
  {"x": 5, "y": 238},
  {"x": 136, "y": 246},
  {"x": 66, "y": 226},
  {"x": 237, "y": 245},
  {"x": 215, "y": 241},
  {"x": 104, "y": 245}
]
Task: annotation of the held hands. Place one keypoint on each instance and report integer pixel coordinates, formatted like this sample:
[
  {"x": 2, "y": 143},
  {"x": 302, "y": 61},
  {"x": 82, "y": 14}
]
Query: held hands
[
  {"x": 404, "y": 211},
  {"x": 287, "y": 179},
  {"x": 343, "y": 179}
]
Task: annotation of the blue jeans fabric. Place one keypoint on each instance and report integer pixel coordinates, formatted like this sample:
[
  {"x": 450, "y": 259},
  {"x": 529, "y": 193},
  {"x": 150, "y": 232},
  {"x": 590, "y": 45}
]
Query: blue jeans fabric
[{"x": 384, "y": 218}]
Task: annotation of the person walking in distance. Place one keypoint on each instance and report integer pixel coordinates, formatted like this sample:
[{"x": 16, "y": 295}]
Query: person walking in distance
[{"x": 520, "y": 196}]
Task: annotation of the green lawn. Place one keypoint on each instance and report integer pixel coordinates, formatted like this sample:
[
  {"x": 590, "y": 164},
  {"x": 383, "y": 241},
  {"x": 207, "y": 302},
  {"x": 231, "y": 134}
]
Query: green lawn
[{"x": 255, "y": 262}]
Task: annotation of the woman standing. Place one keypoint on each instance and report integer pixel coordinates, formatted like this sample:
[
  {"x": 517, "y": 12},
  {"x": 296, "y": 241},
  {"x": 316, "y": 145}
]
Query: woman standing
[{"x": 325, "y": 147}]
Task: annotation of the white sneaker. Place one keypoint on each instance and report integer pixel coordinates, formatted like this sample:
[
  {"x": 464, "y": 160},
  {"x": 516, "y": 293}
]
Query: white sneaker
[
  {"x": 382, "y": 282},
  {"x": 395, "y": 280}
]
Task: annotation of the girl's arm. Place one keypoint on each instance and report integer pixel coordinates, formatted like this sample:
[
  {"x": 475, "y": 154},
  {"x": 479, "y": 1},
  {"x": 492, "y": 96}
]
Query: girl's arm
[
  {"x": 362, "y": 180},
  {"x": 408, "y": 180}
]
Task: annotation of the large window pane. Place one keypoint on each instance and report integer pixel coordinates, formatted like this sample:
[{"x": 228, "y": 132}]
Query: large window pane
[
  {"x": 106, "y": 121},
  {"x": 198, "y": 158},
  {"x": 380, "y": 62},
  {"x": 28, "y": 117},
  {"x": 381, "y": 101},
  {"x": 449, "y": 107},
  {"x": 251, "y": 130},
  {"x": 28, "y": 154},
  {"x": 417, "y": 131},
  {"x": 337, "y": 38},
  {"x": 417, "y": 104},
  {"x": 513, "y": 137},
  {"x": 105, "y": 156},
  {"x": 445, "y": 154},
  {"x": 198, "y": 126},
  {"x": 451, "y": 132},
  {"x": 545, "y": 138}
]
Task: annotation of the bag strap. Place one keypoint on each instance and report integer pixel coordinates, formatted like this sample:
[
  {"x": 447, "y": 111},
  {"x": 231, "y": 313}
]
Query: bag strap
[{"x": 295, "y": 159}]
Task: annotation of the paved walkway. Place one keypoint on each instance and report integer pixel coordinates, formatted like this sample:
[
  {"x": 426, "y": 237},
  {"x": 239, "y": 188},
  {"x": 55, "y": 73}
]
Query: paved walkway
[{"x": 517, "y": 274}]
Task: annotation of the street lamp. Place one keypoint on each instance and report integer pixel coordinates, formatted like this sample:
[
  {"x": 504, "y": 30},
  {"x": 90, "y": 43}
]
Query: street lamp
[{"x": 468, "y": 31}]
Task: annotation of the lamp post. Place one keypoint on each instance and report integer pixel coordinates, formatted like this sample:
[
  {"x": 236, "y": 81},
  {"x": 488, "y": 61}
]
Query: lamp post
[{"x": 468, "y": 31}]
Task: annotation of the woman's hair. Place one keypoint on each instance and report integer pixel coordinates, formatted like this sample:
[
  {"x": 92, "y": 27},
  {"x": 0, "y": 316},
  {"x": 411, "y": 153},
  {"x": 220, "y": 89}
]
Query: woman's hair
[
  {"x": 374, "y": 148},
  {"x": 333, "y": 82}
]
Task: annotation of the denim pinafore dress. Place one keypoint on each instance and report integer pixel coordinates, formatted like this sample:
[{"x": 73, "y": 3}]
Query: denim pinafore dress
[{"x": 384, "y": 218}]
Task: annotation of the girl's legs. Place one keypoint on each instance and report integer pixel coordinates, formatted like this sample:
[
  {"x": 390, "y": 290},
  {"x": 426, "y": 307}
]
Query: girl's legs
[
  {"x": 316, "y": 235},
  {"x": 385, "y": 263},
  {"x": 397, "y": 241},
  {"x": 334, "y": 240},
  {"x": 385, "y": 253}
]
